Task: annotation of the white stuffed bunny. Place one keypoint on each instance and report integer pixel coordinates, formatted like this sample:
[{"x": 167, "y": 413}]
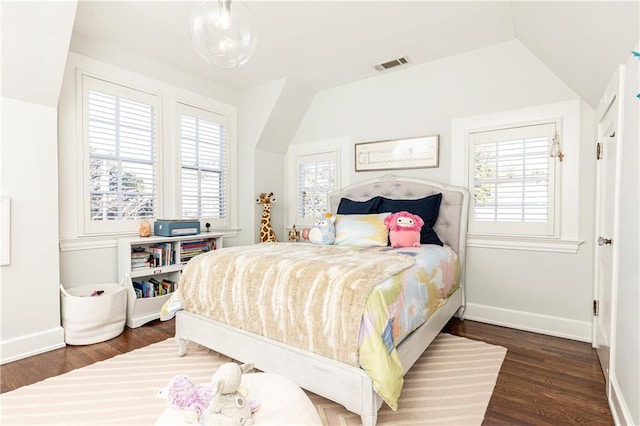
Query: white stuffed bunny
[{"x": 228, "y": 406}]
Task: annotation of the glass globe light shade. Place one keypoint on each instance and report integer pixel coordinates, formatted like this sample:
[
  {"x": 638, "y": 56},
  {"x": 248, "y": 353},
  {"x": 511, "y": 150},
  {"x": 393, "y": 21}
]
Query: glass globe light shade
[{"x": 222, "y": 34}]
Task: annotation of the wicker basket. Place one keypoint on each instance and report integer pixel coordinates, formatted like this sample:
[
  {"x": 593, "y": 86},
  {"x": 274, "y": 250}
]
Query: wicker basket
[{"x": 90, "y": 319}]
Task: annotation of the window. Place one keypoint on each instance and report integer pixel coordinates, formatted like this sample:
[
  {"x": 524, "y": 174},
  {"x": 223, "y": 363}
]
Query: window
[
  {"x": 121, "y": 155},
  {"x": 531, "y": 223},
  {"x": 512, "y": 180},
  {"x": 203, "y": 164},
  {"x": 120, "y": 126},
  {"x": 314, "y": 169},
  {"x": 316, "y": 178}
]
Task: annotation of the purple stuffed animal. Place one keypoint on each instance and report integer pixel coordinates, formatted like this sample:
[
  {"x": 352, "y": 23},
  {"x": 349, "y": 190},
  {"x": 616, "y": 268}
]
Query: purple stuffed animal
[{"x": 183, "y": 394}]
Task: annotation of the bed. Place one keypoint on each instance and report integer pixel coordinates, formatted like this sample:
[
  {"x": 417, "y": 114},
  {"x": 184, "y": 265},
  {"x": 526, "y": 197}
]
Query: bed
[{"x": 331, "y": 376}]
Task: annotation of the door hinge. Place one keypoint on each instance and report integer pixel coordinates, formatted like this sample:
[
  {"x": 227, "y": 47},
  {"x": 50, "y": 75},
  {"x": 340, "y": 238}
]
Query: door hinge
[
  {"x": 595, "y": 308},
  {"x": 598, "y": 151}
]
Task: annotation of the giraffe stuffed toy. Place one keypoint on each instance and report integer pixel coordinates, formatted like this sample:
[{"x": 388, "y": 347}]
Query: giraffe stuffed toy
[{"x": 266, "y": 231}]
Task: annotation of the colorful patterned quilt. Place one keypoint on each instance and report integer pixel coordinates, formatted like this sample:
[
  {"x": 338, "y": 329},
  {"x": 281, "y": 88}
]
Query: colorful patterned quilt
[
  {"x": 371, "y": 298},
  {"x": 398, "y": 306}
]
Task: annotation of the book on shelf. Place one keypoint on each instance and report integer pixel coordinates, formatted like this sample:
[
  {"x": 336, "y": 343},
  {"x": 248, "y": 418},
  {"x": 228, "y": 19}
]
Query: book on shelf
[
  {"x": 159, "y": 253},
  {"x": 190, "y": 249},
  {"x": 139, "y": 258},
  {"x": 152, "y": 256},
  {"x": 154, "y": 288},
  {"x": 140, "y": 289}
]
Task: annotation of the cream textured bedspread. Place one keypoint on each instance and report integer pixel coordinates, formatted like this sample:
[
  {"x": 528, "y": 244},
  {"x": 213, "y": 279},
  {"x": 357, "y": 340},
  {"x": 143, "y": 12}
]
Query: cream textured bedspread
[{"x": 304, "y": 295}]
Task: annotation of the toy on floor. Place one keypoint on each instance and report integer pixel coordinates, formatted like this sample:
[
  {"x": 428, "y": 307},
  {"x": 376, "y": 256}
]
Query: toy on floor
[
  {"x": 220, "y": 403},
  {"x": 404, "y": 229},
  {"x": 228, "y": 404},
  {"x": 183, "y": 394},
  {"x": 324, "y": 230}
]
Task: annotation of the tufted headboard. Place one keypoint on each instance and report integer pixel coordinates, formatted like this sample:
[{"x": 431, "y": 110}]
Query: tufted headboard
[{"x": 451, "y": 225}]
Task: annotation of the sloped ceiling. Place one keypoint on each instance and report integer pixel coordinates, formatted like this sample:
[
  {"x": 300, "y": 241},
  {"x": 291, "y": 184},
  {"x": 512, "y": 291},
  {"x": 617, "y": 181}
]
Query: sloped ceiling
[
  {"x": 582, "y": 43},
  {"x": 323, "y": 44},
  {"x": 35, "y": 42}
]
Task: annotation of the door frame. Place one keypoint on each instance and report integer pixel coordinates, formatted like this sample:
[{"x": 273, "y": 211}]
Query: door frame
[{"x": 614, "y": 92}]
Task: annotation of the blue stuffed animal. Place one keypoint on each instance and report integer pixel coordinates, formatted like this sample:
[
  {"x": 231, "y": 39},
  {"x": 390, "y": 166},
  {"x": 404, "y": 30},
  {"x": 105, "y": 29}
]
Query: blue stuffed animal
[{"x": 324, "y": 230}]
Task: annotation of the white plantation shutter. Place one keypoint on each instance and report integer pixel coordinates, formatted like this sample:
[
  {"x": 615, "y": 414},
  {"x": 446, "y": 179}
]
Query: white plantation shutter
[
  {"x": 203, "y": 165},
  {"x": 512, "y": 178},
  {"x": 121, "y": 134},
  {"x": 316, "y": 177}
]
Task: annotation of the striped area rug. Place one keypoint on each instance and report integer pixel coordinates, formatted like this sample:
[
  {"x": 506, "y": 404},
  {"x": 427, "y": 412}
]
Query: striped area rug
[{"x": 450, "y": 384}]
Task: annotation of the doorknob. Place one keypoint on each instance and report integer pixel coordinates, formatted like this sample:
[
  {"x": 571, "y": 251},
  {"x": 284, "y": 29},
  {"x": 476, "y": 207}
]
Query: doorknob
[{"x": 602, "y": 241}]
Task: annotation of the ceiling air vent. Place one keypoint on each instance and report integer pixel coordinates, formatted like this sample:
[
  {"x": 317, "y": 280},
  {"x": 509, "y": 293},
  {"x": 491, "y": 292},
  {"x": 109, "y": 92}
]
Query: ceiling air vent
[{"x": 391, "y": 64}]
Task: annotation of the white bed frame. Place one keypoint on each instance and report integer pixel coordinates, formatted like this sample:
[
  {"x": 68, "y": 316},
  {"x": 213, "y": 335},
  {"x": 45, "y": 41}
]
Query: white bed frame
[{"x": 345, "y": 384}]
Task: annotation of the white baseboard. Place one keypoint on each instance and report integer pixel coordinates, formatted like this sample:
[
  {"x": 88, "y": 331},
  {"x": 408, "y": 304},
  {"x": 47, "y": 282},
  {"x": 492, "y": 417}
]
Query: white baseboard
[
  {"x": 537, "y": 323},
  {"x": 619, "y": 408},
  {"x": 31, "y": 344}
]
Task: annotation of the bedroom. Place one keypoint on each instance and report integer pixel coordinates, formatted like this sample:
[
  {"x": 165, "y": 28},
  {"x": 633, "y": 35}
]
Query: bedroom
[{"x": 516, "y": 68}]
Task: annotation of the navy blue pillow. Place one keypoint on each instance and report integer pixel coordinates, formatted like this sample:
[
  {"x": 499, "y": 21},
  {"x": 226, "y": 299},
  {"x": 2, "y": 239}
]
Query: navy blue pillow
[
  {"x": 348, "y": 206},
  {"x": 427, "y": 208}
]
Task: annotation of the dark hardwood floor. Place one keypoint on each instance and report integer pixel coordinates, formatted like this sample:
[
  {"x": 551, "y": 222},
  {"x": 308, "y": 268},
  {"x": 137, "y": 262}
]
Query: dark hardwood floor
[
  {"x": 39, "y": 367},
  {"x": 543, "y": 381}
]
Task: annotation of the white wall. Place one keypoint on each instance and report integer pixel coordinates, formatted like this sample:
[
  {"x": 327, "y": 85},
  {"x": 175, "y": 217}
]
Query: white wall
[
  {"x": 35, "y": 41},
  {"x": 625, "y": 368},
  {"x": 545, "y": 292},
  {"x": 269, "y": 172},
  {"x": 253, "y": 114},
  {"x": 269, "y": 117},
  {"x": 87, "y": 46},
  {"x": 422, "y": 100},
  {"x": 30, "y": 301}
]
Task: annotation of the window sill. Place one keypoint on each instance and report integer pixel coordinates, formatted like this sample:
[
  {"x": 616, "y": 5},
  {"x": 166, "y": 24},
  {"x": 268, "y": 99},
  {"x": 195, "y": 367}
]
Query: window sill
[
  {"x": 111, "y": 241},
  {"x": 524, "y": 243}
]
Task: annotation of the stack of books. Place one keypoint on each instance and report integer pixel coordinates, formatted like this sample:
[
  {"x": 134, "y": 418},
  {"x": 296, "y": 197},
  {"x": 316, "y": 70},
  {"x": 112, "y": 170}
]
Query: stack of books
[
  {"x": 189, "y": 249},
  {"x": 139, "y": 258}
]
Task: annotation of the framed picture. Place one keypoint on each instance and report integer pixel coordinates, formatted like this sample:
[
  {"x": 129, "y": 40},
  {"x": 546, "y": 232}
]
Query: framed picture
[{"x": 408, "y": 153}]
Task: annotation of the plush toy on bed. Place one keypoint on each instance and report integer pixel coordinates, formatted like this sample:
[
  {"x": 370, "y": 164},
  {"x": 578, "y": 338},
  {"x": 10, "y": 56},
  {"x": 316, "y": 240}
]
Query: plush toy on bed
[
  {"x": 324, "y": 230},
  {"x": 404, "y": 229},
  {"x": 228, "y": 404}
]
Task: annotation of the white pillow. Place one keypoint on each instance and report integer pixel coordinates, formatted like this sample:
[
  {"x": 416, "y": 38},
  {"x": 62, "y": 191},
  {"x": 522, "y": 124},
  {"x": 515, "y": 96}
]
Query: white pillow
[{"x": 362, "y": 230}]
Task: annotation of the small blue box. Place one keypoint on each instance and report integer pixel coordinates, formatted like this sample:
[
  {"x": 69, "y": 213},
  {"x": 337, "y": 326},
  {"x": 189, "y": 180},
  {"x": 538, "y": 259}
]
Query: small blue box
[{"x": 176, "y": 228}]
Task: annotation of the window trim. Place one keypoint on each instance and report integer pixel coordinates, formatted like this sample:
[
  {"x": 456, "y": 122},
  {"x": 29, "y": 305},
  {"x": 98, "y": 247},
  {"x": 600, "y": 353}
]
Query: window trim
[
  {"x": 321, "y": 157},
  {"x": 550, "y": 229},
  {"x": 205, "y": 114},
  {"x": 86, "y": 82},
  {"x": 567, "y": 238},
  {"x": 336, "y": 146}
]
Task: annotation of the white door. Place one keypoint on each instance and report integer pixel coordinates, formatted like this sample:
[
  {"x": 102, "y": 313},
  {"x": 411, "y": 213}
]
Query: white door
[{"x": 607, "y": 201}]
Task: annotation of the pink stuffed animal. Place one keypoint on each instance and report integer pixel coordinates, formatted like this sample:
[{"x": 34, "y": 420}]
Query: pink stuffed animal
[{"x": 404, "y": 229}]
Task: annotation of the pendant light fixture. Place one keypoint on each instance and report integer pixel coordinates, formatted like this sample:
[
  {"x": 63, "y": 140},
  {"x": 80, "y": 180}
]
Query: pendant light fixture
[{"x": 222, "y": 34}]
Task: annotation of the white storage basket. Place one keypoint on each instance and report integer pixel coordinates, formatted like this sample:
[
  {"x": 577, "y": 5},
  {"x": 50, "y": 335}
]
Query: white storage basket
[{"x": 90, "y": 319}]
